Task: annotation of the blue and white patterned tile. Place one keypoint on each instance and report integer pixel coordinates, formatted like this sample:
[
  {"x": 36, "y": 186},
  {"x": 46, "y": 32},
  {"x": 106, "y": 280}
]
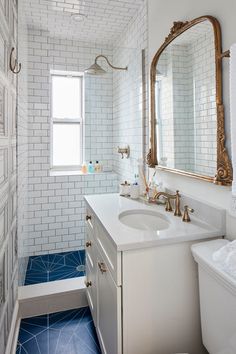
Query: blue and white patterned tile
[
  {"x": 70, "y": 332},
  {"x": 56, "y": 266}
]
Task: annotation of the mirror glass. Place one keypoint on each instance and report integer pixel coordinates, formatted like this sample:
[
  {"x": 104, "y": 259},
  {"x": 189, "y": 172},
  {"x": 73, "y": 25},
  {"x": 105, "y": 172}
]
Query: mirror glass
[{"x": 185, "y": 102}]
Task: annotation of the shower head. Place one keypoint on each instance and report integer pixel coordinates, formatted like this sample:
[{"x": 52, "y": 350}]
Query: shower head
[{"x": 96, "y": 69}]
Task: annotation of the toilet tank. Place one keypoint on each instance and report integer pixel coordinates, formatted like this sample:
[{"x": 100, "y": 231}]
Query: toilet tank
[{"x": 217, "y": 291}]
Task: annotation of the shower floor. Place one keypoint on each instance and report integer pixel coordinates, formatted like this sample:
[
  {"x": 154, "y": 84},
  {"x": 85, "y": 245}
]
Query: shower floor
[{"x": 56, "y": 266}]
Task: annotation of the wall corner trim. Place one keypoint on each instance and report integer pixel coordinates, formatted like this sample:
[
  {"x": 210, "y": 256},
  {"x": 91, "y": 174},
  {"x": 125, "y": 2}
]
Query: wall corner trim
[{"x": 14, "y": 331}]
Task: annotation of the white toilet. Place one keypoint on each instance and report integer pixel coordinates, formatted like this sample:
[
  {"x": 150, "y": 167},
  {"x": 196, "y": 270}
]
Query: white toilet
[{"x": 217, "y": 292}]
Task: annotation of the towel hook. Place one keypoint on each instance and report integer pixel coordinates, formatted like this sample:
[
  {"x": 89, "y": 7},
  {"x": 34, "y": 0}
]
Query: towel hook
[{"x": 16, "y": 67}]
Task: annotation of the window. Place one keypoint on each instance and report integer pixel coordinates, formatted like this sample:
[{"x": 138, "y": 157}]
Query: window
[{"x": 67, "y": 120}]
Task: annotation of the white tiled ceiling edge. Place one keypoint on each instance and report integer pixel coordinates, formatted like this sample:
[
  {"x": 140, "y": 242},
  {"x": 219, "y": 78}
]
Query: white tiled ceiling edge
[{"x": 103, "y": 20}]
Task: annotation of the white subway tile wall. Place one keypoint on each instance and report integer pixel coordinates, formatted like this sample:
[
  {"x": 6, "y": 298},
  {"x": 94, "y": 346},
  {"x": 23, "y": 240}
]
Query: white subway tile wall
[
  {"x": 56, "y": 210},
  {"x": 55, "y": 203},
  {"x": 116, "y": 111},
  {"x": 130, "y": 99},
  {"x": 45, "y": 54}
]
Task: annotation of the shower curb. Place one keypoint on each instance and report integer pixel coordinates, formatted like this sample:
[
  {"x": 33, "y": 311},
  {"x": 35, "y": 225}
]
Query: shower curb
[{"x": 55, "y": 296}]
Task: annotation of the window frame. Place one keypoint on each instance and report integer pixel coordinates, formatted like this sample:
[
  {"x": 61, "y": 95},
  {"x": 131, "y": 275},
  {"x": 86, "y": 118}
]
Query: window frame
[{"x": 79, "y": 121}]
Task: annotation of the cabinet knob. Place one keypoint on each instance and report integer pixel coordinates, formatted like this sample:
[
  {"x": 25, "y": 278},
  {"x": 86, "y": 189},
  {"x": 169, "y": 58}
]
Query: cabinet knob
[
  {"x": 88, "y": 284},
  {"x": 102, "y": 267},
  {"x": 88, "y": 244},
  {"x": 88, "y": 217}
]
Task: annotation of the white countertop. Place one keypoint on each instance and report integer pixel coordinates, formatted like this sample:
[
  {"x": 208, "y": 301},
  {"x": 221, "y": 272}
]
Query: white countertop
[{"x": 107, "y": 208}]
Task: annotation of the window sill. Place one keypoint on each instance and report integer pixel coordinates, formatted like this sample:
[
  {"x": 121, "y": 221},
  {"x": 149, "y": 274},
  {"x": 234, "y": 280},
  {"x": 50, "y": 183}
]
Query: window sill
[{"x": 76, "y": 173}]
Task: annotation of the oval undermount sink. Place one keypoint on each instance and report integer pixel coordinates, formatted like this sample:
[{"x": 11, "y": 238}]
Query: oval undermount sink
[{"x": 144, "y": 220}]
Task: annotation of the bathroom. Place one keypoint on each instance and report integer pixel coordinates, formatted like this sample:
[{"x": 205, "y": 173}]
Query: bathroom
[{"x": 73, "y": 233}]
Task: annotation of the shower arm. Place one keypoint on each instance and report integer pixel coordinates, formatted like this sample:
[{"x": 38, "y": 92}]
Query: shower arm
[{"x": 112, "y": 66}]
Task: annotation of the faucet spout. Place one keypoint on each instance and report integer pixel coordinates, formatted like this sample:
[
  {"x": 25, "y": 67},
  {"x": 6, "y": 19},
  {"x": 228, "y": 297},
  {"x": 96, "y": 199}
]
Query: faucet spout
[{"x": 169, "y": 196}]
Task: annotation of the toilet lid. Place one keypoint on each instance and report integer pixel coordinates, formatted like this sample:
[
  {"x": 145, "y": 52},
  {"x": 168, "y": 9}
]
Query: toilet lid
[{"x": 202, "y": 253}]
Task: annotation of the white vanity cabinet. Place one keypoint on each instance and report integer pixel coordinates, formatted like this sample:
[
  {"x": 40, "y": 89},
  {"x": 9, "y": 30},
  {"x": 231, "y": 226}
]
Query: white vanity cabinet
[
  {"x": 144, "y": 300},
  {"x": 103, "y": 288}
]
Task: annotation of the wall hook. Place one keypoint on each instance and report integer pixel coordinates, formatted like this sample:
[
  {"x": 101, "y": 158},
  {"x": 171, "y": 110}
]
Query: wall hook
[
  {"x": 124, "y": 151},
  {"x": 226, "y": 54},
  {"x": 16, "y": 67}
]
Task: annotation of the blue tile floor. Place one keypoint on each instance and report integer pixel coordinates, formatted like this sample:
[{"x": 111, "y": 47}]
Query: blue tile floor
[
  {"x": 55, "y": 266},
  {"x": 67, "y": 332}
]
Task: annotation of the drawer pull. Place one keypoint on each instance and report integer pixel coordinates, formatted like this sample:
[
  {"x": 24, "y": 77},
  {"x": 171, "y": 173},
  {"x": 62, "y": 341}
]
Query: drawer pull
[
  {"x": 88, "y": 244},
  {"x": 102, "y": 267},
  {"x": 88, "y": 217},
  {"x": 88, "y": 284}
]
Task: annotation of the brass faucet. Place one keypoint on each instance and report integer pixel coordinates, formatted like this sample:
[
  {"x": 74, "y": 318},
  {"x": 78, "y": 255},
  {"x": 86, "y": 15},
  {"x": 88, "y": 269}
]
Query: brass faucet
[{"x": 168, "y": 197}]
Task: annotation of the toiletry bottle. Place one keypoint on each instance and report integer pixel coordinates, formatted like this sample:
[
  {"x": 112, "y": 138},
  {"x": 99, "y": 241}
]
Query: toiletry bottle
[
  {"x": 90, "y": 167},
  {"x": 134, "y": 188},
  {"x": 84, "y": 168},
  {"x": 97, "y": 167}
]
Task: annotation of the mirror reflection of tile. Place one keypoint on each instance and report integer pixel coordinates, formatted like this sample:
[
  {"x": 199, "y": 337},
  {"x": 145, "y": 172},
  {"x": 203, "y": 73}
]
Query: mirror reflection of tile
[{"x": 186, "y": 102}]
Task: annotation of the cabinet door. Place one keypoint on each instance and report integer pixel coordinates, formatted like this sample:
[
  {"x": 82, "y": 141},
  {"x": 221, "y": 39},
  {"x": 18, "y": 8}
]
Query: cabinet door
[
  {"x": 91, "y": 283},
  {"x": 91, "y": 271},
  {"x": 109, "y": 311}
]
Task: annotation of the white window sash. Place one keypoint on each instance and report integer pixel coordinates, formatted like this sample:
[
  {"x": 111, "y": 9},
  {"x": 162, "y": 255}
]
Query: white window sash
[
  {"x": 79, "y": 120},
  {"x": 69, "y": 167},
  {"x": 67, "y": 120}
]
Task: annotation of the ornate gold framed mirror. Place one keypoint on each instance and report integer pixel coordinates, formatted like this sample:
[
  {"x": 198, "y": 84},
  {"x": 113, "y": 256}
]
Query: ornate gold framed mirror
[{"x": 187, "y": 114}]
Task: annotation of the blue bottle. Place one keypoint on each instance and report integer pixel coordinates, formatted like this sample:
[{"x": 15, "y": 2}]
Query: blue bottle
[{"x": 90, "y": 167}]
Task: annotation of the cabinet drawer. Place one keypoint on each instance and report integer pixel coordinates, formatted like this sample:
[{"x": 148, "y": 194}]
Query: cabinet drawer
[{"x": 110, "y": 256}]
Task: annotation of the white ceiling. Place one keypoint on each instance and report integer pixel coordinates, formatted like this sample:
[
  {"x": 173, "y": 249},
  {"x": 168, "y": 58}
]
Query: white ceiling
[{"x": 103, "y": 22}]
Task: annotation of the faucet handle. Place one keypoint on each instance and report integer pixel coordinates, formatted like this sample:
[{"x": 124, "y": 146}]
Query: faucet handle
[
  {"x": 177, "y": 204},
  {"x": 168, "y": 204},
  {"x": 186, "y": 217}
]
